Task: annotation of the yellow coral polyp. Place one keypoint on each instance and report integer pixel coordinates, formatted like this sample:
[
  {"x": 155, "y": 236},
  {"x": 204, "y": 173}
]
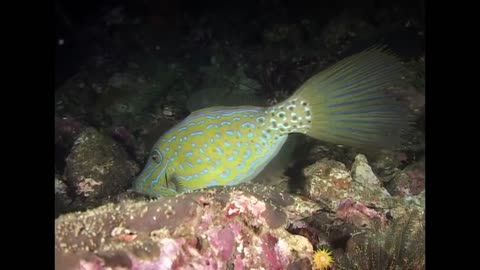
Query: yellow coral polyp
[{"x": 322, "y": 259}]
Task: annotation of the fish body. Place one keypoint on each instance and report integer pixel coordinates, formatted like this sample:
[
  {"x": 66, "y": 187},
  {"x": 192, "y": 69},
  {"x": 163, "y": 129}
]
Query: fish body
[
  {"x": 213, "y": 146},
  {"x": 218, "y": 146}
]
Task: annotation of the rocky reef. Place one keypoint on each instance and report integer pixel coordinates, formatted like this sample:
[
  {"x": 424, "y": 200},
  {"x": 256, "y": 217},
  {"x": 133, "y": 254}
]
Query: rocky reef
[
  {"x": 150, "y": 69},
  {"x": 251, "y": 226},
  {"x": 220, "y": 228}
]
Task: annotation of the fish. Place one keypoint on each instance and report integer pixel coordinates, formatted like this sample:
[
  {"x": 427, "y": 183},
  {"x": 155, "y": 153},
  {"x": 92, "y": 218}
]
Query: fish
[{"x": 345, "y": 104}]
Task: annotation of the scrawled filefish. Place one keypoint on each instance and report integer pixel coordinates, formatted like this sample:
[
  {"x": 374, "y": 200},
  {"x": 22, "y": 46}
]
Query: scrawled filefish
[{"x": 345, "y": 104}]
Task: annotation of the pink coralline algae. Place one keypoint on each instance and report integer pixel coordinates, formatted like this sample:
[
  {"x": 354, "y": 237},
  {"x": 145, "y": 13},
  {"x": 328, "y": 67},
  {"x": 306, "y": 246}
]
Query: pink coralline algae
[
  {"x": 359, "y": 214},
  {"x": 417, "y": 177},
  {"x": 248, "y": 206},
  {"x": 212, "y": 229},
  {"x": 409, "y": 182},
  {"x": 222, "y": 241},
  {"x": 273, "y": 256}
]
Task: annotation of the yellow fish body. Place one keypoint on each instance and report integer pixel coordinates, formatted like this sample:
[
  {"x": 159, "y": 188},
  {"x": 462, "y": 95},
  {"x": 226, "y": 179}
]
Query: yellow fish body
[{"x": 344, "y": 104}]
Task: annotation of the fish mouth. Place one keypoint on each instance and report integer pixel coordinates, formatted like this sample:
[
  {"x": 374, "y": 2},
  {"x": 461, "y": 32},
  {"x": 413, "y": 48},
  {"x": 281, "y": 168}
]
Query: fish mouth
[
  {"x": 151, "y": 175},
  {"x": 138, "y": 183}
]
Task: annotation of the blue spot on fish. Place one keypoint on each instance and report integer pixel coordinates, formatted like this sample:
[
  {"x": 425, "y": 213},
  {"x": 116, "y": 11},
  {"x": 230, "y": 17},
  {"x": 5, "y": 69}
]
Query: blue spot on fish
[
  {"x": 241, "y": 165},
  {"x": 247, "y": 154},
  {"x": 199, "y": 160},
  {"x": 250, "y": 135},
  {"x": 246, "y": 125},
  {"x": 227, "y": 144},
  {"x": 225, "y": 123},
  {"x": 260, "y": 119},
  {"x": 219, "y": 151},
  {"x": 172, "y": 139},
  {"x": 229, "y": 132},
  {"x": 226, "y": 173},
  {"x": 189, "y": 154},
  {"x": 196, "y": 133}
]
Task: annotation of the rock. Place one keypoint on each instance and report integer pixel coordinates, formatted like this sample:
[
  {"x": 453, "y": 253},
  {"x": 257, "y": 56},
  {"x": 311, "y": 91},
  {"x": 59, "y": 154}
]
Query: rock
[
  {"x": 118, "y": 80},
  {"x": 67, "y": 130},
  {"x": 125, "y": 137},
  {"x": 386, "y": 164},
  {"x": 320, "y": 150},
  {"x": 328, "y": 180},
  {"x": 210, "y": 229},
  {"x": 62, "y": 199},
  {"x": 410, "y": 181},
  {"x": 342, "y": 30},
  {"x": 399, "y": 246},
  {"x": 98, "y": 168},
  {"x": 360, "y": 214},
  {"x": 362, "y": 172}
]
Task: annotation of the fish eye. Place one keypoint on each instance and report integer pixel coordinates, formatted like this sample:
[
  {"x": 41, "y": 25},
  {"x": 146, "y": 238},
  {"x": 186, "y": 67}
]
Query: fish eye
[{"x": 156, "y": 157}]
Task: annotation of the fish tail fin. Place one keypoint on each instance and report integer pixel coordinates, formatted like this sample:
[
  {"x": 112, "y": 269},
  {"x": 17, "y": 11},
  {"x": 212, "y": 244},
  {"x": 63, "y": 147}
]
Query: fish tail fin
[{"x": 347, "y": 103}]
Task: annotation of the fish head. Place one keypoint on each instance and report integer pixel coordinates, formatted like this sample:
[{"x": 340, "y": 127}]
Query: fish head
[{"x": 152, "y": 181}]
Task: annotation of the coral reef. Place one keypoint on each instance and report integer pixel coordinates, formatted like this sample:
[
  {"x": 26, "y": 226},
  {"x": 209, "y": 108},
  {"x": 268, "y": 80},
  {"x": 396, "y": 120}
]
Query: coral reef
[{"x": 218, "y": 228}]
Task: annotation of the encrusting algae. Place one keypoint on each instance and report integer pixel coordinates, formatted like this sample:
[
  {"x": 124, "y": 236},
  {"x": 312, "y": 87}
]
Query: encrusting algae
[{"x": 223, "y": 146}]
